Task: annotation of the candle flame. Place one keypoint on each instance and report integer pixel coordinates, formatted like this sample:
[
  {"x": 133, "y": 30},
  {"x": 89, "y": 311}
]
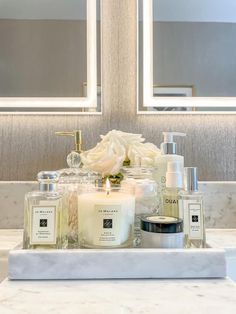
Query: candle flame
[{"x": 108, "y": 186}]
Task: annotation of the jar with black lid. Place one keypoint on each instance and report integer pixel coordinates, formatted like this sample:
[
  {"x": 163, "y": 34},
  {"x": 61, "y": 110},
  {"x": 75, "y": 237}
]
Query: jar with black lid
[{"x": 161, "y": 232}]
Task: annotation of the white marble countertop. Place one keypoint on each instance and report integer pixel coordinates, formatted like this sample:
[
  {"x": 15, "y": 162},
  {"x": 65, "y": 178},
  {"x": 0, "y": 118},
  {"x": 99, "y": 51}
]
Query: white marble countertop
[
  {"x": 118, "y": 297},
  {"x": 9, "y": 239},
  {"x": 122, "y": 296},
  {"x": 222, "y": 238}
]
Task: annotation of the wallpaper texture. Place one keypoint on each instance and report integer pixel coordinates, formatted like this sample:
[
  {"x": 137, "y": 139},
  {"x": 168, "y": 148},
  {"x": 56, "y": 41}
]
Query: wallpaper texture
[{"x": 28, "y": 143}]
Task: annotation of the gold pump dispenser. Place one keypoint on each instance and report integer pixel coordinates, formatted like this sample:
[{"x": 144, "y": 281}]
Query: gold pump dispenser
[
  {"x": 77, "y": 134},
  {"x": 73, "y": 159}
]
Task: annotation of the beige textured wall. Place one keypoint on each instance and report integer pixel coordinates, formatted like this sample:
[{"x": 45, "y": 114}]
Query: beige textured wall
[{"x": 27, "y": 143}]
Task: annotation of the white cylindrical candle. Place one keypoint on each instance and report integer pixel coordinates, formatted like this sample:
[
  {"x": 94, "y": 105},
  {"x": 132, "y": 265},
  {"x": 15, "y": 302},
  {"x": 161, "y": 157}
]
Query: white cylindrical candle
[{"x": 106, "y": 219}]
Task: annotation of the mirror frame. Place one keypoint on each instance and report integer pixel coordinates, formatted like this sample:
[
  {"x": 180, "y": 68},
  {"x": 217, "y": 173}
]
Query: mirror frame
[
  {"x": 62, "y": 105},
  {"x": 147, "y": 81}
]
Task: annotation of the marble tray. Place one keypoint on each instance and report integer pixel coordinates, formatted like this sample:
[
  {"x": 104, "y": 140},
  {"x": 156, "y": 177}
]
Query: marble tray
[{"x": 119, "y": 263}]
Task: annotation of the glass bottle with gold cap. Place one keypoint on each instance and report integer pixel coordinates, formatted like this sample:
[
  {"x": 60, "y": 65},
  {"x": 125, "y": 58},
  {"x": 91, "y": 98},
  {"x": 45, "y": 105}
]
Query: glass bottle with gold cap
[
  {"x": 45, "y": 222},
  {"x": 70, "y": 180}
]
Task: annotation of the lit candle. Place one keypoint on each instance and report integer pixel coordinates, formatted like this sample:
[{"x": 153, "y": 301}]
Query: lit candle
[
  {"x": 106, "y": 218},
  {"x": 108, "y": 186}
]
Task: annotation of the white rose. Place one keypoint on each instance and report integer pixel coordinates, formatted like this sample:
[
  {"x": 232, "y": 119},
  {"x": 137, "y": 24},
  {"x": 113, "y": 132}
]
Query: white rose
[
  {"x": 115, "y": 147},
  {"x": 123, "y": 138},
  {"x": 106, "y": 158}
]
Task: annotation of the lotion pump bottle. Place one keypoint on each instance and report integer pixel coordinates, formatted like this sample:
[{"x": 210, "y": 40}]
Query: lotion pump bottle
[
  {"x": 192, "y": 211},
  {"x": 174, "y": 184}
]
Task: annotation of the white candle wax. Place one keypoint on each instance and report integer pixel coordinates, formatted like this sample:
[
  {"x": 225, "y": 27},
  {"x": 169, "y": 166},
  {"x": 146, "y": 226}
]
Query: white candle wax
[{"x": 106, "y": 219}]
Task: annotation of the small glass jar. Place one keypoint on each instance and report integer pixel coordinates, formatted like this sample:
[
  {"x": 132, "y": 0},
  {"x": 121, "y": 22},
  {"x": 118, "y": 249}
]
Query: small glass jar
[
  {"x": 70, "y": 181},
  {"x": 145, "y": 188},
  {"x": 106, "y": 217},
  {"x": 162, "y": 232}
]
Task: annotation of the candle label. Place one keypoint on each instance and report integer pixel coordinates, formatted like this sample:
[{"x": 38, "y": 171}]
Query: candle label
[
  {"x": 107, "y": 224},
  {"x": 43, "y": 225}
]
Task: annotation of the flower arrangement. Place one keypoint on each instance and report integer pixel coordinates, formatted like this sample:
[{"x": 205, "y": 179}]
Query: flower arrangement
[{"x": 117, "y": 149}]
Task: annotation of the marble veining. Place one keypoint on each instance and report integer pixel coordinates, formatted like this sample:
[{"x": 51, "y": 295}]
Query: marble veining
[
  {"x": 123, "y": 296},
  {"x": 118, "y": 296},
  {"x": 221, "y": 238},
  {"x": 219, "y": 199},
  {"x": 9, "y": 239},
  {"x": 224, "y": 239},
  {"x": 220, "y": 204},
  {"x": 12, "y": 203},
  {"x": 119, "y": 263}
]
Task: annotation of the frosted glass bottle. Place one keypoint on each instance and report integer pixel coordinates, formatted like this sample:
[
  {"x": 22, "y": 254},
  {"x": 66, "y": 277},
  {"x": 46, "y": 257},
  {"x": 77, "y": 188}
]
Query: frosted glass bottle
[
  {"x": 174, "y": 184},
  {"x": 168, "y": 154},
  {"x": 192, "y": 210},
  {"x": 45, "y": 223},
  {"x": 171, "y": 202}
]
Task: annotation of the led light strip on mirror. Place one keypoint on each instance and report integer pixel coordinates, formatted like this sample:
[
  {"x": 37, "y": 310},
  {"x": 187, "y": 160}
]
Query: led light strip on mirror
[
  {"x": 213, "y": 105},
  {"x": 66, "y": 104}
]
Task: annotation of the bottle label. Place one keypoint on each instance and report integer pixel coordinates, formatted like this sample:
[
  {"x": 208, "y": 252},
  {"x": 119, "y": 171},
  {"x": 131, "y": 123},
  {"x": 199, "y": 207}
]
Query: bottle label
[
  {"x": 43, "y": 225},
  {"x": 195, "y": 221},
  {"x": 170, "y": 205},
  {"x": 107, "y": 225}
]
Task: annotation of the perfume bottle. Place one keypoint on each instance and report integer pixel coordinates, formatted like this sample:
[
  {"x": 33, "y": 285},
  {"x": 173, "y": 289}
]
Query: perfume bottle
[
  {"x": 191, "y": 210},
  {"x": 45, "y": 224},
  {"x": 174, "y": 184}
]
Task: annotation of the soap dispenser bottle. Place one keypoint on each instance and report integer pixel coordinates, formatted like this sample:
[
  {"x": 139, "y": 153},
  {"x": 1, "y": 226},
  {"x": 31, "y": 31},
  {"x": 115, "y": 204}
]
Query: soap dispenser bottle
[
  {"x": 74, "y": 159},
  {"x": 192, "y": 210},
  {"x": 174, "y": 184},
  {"x": 70, "y": 181}
]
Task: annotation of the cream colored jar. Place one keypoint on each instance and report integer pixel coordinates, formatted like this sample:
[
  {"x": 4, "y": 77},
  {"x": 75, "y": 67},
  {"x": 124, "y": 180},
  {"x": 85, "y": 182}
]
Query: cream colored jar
[{"x": 162, "y": 232}]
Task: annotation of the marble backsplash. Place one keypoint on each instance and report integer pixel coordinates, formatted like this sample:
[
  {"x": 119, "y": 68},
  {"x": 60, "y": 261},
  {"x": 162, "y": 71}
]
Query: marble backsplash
[{"x": 220, "y": 203}]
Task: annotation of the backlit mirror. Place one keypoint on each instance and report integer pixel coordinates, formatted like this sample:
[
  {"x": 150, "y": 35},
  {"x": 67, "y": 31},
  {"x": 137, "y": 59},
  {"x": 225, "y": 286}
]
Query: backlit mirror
[
  {"x": 50, "y": 56},
  {"x": 187, "y": 56}
]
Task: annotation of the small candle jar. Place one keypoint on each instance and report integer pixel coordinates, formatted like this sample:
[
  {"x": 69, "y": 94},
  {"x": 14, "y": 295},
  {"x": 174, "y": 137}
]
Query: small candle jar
[
  {"x": 106, "y": 217},
  {"x": 70, "y": 180},
  {"x": 146, "y": 196},
  {"x": 162, "y": 232}
]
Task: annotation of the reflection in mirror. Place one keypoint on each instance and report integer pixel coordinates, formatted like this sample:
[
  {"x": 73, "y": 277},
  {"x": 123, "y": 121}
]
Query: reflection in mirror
[
  {"x": 187, "y": 52},
  {"x": 50, "y": 55}
]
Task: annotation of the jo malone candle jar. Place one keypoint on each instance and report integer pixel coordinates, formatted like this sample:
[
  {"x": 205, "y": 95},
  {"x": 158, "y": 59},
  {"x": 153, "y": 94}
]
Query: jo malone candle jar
[{"x": 106, "y": 217}]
